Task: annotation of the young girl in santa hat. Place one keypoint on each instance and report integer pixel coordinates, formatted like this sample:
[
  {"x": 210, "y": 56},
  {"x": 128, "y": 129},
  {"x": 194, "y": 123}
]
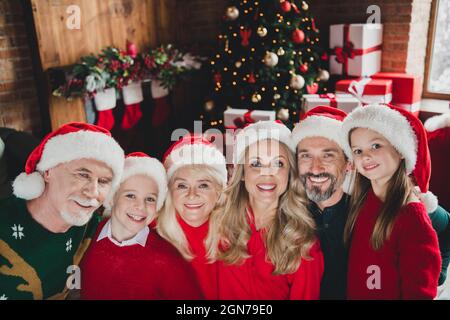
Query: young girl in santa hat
[
  {"x": 263, "y": 235},
  {"x": 394, "y": 252},
  {"x": 128, "y": 260},
  {"x": 197, "y": 174}
]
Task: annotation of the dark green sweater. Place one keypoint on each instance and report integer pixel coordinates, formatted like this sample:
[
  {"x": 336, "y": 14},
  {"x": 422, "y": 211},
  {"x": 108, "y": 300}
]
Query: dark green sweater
[{"x": 33, "y": 260}]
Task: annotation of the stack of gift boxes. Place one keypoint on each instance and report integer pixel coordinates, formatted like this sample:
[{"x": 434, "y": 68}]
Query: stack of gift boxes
[{"x": 356, "y": 57}]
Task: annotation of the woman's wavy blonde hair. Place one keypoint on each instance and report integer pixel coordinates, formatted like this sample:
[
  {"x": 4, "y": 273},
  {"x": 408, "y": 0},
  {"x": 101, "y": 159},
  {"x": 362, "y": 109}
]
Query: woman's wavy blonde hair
[
  {"x": 289, "y": 236},
  {"x": 167, "y": 223}
]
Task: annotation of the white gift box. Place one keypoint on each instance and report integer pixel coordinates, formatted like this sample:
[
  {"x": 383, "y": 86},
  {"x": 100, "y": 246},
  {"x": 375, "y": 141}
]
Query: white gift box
[
  {"x": 344, "y": 102},
  {"x": 132, "y": 93},
  {"x": 233, "y": 118},
  {"x": 105, "y": 100},
  {"x": 367, "y": 90},
  {"x": 357, "y": 47},
  {"x": 236, "y": 119}
]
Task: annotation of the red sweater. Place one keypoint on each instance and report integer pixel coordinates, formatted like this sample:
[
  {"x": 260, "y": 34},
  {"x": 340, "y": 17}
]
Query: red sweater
[
  {"x": 254, "y": 279},
  {"x": 154, "y": 272},
  {"x": 409, "y": 261},
  {"x": 206, "y": 273}
]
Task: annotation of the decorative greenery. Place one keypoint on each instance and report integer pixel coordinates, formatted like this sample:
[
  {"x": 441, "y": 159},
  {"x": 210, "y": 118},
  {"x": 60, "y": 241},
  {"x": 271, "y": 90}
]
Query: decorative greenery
[{"x": 114, "y": 68}]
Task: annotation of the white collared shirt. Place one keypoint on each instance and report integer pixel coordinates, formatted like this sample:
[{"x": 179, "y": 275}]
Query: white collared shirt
[{"x": 140, "y": 238}]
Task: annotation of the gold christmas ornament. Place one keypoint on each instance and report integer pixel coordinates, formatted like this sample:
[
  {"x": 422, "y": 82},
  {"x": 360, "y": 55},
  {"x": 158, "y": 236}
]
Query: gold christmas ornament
[
  {"x": 277, "y": 96},
  {"x": 209, "y": 105},
  {"x": 291, "y": 62},
  {"x": 256, "y": 98},
  {"x": 262, "y": 31},
  {"x": 297, "y": 82},
  {"x": 281, "y": 52},
  {"x": 283, "y": 114},
  {"x": 238, "y": 64},
  {"x": 232, "y": 13},
  {"x": 271, "y": 59}
]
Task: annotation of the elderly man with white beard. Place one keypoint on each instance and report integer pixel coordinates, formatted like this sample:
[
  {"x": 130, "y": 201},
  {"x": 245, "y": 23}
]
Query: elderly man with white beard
[
  {"x": 46, "y": 225},
  {"x": 323, "y": 168}
]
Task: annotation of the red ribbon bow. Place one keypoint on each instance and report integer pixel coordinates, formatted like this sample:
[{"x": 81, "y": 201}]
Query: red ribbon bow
[
  {"x": 349, "y": 52},
  {"x": 242, "y": 122},
  {"x": 331, "y": 97},
  {"x": 245, "y": 35}
]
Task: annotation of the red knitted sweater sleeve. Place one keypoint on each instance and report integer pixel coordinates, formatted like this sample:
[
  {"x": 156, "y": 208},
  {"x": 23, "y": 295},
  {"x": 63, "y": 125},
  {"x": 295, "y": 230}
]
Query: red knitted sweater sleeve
[
  {"x": 178, "y": 282},
  {"x": 419, "y": 260},
  {"x": 306, "y": 281}
]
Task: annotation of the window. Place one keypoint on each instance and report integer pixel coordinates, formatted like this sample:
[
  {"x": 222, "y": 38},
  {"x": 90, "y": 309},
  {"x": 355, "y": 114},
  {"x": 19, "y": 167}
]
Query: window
[{"x": 437, "y": 73}]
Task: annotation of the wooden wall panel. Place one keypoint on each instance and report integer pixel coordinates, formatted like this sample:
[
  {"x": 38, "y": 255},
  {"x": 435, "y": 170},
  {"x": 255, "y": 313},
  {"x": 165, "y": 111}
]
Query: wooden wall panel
[{"x": 103, "y": 23}]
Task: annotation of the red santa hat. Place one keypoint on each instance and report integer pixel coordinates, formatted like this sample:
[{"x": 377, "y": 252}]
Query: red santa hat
[
  {"x": 406, "y": 134},
  {"x": 321, "y": 121},
  {"x": 72, "y": 141},
  {"x": 438, "y": 122},
  {"x": 139, "y": 163},
  {"x": 260, "y": 131},
  {"x": 195, "y": 149}
]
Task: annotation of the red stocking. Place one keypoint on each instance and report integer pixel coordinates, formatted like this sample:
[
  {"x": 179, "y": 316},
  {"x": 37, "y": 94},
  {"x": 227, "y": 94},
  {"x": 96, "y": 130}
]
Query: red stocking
[
  {"x": 105, "y": 102},
  {"x": 132, "y": 98},
  {"x": 132, "y": 116},
  {"x": 161, "y": 112},
  {"x": 106, "y": 119}
]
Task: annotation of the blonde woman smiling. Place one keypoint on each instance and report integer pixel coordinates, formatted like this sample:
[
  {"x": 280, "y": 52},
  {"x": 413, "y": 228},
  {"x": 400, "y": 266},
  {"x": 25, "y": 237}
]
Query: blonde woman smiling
[
  {"x": 197, "y": 175},
  {"x": 263, "y": 235}
]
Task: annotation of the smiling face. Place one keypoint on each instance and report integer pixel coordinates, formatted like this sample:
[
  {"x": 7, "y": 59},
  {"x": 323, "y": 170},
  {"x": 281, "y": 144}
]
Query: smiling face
[
  {"x": 77, "y": 188},
  {"x": 322, "y": 166},
  {"x": 266, "y": 171},
  {"x": 134, "y": 206},
  {"x": 194, "y": 193},
  {"x": 374, "y": 157}
]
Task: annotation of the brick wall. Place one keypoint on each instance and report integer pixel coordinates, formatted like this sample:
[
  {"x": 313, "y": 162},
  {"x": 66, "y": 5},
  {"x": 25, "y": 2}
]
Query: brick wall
[{"x": 18, "y": 97}]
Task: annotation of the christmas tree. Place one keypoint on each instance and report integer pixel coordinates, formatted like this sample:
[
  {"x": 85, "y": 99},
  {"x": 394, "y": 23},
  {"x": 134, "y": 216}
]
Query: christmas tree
[{"x": 268, "y": 57}]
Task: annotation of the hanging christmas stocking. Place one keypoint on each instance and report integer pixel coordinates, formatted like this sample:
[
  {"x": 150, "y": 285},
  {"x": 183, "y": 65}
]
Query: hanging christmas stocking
[
  {"x": 161, "y": 112},
  {"x": 132, "y": 98},
  {"x": 105, "y": 102}
]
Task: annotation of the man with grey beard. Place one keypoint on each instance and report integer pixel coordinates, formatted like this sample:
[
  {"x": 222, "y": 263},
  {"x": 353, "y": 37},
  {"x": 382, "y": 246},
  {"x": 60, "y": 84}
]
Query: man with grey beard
[
  {"x": 323, "y": 168},
  {"x": 45, "y": 226}
]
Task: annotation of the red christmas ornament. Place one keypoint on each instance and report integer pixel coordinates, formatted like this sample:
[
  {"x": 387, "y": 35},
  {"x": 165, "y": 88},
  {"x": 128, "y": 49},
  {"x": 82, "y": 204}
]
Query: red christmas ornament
[
  {"x": 298, "y": 36},
  {"x": 313, "y": 25},
  {"x": 297, "y": 11},
  {"x": 312, "y": 89},
  {"x": 304, "y": 68},
  {"x": 324, "y": 56},
  {"x": 285, "y": 6},
  {"x": 131, "y": 49},
  {"x": 251, "y": 79},
  {"x": 218, "y": 77}
]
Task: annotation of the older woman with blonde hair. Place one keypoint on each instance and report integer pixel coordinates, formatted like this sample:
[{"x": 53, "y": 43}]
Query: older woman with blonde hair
[
  {"x": 197, "y": 175},
  {"x": 262, "y": 234}
]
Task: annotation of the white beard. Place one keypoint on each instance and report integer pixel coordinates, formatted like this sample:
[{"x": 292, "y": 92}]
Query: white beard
[{"x": 78, "y": 219}]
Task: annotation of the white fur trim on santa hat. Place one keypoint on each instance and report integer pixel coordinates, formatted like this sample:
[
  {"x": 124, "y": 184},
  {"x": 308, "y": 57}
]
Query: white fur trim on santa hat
[
  {"x": 200, "y": 154},
  {"x": 68, "y": 147},
  {"x": 29, "y": 186},
  {"x": 260, "y": 131},
  {"x": 318, "y": 126},
  {"x": 149, "y": 167},
  {"x": 390, "y": 124},
  {"x": 438, "y": 122},
  {"x": 2, "y": 147},
  {"x": 429, "y": 200}
]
